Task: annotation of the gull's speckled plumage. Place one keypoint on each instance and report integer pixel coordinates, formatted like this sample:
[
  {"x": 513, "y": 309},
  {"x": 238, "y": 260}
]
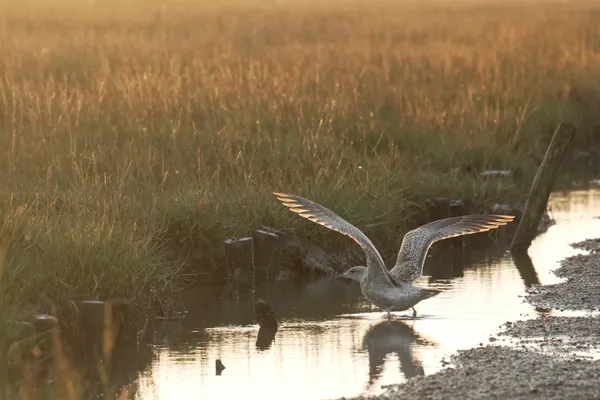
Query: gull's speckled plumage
[{"x": 392, "y": 290}]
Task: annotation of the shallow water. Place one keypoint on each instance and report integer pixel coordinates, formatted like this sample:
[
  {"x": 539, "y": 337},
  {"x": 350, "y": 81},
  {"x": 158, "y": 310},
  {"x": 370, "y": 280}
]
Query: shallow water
[{"x": 330, "y": 344}]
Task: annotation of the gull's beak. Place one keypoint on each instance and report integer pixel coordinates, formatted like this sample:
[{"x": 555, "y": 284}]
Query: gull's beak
[{"x": 340, "y": 277}]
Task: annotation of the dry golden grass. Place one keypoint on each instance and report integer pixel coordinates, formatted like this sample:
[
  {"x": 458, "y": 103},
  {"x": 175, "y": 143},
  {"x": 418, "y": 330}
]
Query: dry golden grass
[{"x": 130, "y": 129}]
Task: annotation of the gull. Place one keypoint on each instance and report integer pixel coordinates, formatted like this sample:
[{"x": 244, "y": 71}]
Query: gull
[{"x": 392, "y": 290}]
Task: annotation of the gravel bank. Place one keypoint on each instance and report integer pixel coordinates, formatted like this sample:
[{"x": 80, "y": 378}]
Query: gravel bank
[
  {"x": 494, "y": 372},
  {"x": 557, "y": 336},
  {"x": 581, "y": 290},
  {"x": 549, "y": 357}
]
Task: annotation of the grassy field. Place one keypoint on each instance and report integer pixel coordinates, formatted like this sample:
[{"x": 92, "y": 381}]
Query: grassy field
[{"x": 133, "y": 133}]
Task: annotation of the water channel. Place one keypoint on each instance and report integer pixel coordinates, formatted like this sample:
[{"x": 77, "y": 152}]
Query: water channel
[{"x": 330, "y": 344}]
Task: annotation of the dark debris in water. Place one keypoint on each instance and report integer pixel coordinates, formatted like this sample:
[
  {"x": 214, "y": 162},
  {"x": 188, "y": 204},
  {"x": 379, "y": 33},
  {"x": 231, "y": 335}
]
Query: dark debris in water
[
  {"x": 265, "y": 316},
  {"x": 219, "y": 367}
]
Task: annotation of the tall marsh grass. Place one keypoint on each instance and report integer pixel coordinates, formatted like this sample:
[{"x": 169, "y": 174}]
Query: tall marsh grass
[{"x": 134, "y": 137}]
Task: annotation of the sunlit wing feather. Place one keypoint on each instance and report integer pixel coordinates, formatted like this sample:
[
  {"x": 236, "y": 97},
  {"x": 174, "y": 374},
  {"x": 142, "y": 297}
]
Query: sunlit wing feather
[
  {"x": 323, "y": 216},
  {"x": 416, "y": 243}
]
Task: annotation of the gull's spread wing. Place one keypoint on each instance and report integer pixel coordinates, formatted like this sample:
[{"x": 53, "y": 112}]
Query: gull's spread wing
[
  {"x": 317, "y": 213},
  {"x": 416, "y": 243}
]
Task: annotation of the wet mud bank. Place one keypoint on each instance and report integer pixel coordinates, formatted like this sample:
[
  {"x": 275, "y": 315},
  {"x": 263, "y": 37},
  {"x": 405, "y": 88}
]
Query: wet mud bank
[{"x": 550, "y": 357}]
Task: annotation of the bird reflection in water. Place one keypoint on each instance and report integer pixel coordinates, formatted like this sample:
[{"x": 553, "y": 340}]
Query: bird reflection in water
[{"x": 397, "y": 337}]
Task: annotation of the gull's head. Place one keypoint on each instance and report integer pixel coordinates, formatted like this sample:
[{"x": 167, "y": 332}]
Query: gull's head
[{"x": 355, "y": 273}]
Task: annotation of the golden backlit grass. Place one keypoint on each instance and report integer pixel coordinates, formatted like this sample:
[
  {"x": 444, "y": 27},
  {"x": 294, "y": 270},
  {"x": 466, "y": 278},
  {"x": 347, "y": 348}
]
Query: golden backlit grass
[{"x": 132, "y": 131}]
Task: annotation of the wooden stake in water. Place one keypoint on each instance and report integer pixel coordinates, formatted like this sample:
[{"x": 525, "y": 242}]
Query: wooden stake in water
[{"x": 545, "y": 177}]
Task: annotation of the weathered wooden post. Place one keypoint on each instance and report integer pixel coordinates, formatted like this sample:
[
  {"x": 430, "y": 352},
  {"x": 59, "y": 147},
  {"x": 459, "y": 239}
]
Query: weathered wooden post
[
  {"x": 239, "y": 255},
  {"x": 110, "y": 337},
  {"x": 267, "y": 253},
  {"x": 44, "y": 325},
  {"x": 542, "y": 186},
  {"x": 239, "y": 265}
]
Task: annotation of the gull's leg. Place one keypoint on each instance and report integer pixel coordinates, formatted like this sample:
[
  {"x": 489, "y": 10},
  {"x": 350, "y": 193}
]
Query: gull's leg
[
  {"x": 414, "y": 312},
  {"x": 389, "y": 315}
]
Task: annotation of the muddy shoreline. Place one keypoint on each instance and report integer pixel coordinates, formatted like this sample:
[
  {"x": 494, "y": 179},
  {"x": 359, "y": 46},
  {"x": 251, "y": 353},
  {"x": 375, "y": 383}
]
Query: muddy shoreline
[{"x": 550, "y": 357}]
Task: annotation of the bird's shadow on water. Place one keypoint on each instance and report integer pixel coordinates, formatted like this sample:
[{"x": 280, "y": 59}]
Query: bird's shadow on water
[{"x": 393, "y": 337}]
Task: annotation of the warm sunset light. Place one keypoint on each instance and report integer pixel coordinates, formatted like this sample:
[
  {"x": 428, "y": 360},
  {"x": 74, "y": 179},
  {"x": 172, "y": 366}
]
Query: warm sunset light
[
  {"x": 277, "y": 199},
  {"x": 326, "y": 359}
]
